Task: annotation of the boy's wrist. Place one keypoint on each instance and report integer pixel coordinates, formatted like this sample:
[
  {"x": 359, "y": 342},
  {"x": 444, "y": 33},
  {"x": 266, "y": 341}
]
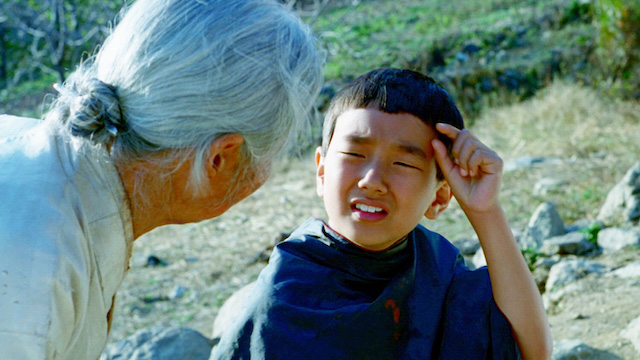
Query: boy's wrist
[
  {"x": 489, "y": 222},
  {"x": 493, "y": 209}
]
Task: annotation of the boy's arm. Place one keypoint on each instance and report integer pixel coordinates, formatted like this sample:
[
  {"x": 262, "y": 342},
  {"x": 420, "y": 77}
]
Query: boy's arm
[{"x": 474, "y": 176}]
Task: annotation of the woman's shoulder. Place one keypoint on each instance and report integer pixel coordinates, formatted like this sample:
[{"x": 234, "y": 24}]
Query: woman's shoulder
[{"x": 16, "y": 126}]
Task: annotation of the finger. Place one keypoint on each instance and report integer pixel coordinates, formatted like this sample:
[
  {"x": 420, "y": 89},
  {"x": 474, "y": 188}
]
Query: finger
[
  {"x": 450, "y": 131},
  {"x": 442, "y": 157},
  {"x": 448, "y": 167},
  {"x": 468, "y": 148},
  {"x": 477, "y": 159},
  {"x": 459, "y": 143},
  {"x": 485, "y": 161}
]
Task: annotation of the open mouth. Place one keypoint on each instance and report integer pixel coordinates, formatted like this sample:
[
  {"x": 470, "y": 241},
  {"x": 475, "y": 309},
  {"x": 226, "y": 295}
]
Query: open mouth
[{"x": 369, "y": 209}]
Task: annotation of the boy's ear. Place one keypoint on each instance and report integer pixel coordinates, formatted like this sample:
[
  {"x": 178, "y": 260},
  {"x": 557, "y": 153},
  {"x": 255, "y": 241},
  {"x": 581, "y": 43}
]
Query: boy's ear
[
  {"x": 441, "y": 201},
  {"x": 319, "y": 172}
]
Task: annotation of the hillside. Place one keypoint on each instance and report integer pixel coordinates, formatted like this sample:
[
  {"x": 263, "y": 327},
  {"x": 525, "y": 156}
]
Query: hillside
[
  {"x": 524, "y": 74},
  {"x": 212, "y": 259}
]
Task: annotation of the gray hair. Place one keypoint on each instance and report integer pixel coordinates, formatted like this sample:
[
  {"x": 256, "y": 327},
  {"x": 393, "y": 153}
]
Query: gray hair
[{"x": 177, "y": 74}]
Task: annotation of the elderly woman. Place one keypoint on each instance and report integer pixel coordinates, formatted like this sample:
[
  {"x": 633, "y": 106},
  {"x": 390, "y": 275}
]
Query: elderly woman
[{"x": 177, "y": 118}]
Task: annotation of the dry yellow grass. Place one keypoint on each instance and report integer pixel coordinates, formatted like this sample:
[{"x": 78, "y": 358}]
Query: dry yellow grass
[
  {"x": 597, "y": 140},
  {"x": 564, "y": 120}
]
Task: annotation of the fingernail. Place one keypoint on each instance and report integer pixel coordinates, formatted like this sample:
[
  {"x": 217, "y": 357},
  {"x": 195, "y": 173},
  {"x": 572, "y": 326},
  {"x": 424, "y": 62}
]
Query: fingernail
[{"x": 463, "y": 172}]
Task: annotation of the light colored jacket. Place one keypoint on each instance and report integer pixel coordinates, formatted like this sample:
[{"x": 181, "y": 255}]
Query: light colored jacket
[{"x": 65, "y": 243}]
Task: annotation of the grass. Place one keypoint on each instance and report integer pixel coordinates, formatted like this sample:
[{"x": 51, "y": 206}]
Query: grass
[
  {"x": 389, "y": 33},
  {"x": 567, "y": 121},
  {"x": 26, "y": 98},
  {"x": 597, "y": 139}
]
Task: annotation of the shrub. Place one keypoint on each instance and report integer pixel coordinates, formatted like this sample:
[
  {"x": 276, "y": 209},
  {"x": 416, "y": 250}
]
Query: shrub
[{"x": 618, "y": 23}]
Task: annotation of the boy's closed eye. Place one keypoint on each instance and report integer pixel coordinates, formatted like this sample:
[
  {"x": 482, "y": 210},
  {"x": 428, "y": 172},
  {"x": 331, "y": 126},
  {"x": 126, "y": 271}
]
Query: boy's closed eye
[
  {"x": 352, "y": 153},
  {"x": 408, "y": 165}
]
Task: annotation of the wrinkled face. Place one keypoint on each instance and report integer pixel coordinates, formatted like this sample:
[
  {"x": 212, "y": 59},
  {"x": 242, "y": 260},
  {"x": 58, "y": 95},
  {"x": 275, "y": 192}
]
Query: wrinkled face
[
  {"x": 378, "y": 177},
  {"x": 229, "y": 187}
]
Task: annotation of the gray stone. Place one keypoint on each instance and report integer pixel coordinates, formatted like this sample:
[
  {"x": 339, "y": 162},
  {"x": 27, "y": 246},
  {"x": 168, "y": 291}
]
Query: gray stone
[
  {"x": 467, "y": 247},
  {"x": 573, "y": 350},
  {"x": 230, "y": 309},
  {"x": 547, "y": 262},
  {"x": 177, "y": 292},
  {"x": 570, "y": 270},
  {"x": 629, "y": 271},
  {"x": 632, "y": 333},
  {"x": 614, "y": 239},
  {"x": 159, "y": 343},
  {"x": 544, "y": 224},
  {"x": 574, "y": 243},
  {"x": 522, "y": 163},
  {"x": 479, "y": 259},
  {"x": 546, "y": 186},
  {"x": 622, "y": 204},
  {"x": 551, "y": 298}
]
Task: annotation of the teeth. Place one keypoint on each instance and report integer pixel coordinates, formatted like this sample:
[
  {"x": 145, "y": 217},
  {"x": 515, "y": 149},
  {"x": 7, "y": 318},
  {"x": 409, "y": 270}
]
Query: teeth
[{"x": 369, "y": 209}]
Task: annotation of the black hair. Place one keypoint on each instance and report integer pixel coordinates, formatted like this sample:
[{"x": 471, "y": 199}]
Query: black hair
[{"x": 395, "y": 91}]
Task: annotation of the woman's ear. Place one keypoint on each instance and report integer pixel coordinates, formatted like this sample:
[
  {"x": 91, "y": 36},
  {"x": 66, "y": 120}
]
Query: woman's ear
[
  {"x": 319, "y": 172},
  {"x": 224, "y": 154},
  {"x": 441, "y": 201}
]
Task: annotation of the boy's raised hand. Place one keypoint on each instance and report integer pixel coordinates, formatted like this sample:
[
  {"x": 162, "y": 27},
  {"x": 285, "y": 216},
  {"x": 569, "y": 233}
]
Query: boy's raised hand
[
  {"x": 475, "y": 172},
  {"x": 474, "y": 177}
]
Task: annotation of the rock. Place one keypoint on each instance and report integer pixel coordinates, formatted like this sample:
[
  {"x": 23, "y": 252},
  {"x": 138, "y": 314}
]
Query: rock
[
  {"x": 546, "y": 185},
  {"x": 462, "y": 57},
  {"x": 622, "y": 204},
  {"x": 159, "y": 343},
  {"x": 614, "y": 239},
  {"x": 632, "y": 333},
  {"x": 551, "y": 298},
  {"x": 574, "y": 243},
  {"x": 544, "y": 224},
  {"x": 471, "y": 48},
  {"x": 153, "y": 260},
  {"x": 524, "y": 162},
  {"x": 567, "y": 271},
  {"x": 177, "y": 292},
  {"x": 629, "y": 271},
  {"x": 467, "y": 247},
  {"x": 547, "y": 262},
  {"x": 230, "y": 309},
  {"x": 478, "y": 259},
  {"x": 573, "y": 350},
  {"x": 540, "y": 276}
]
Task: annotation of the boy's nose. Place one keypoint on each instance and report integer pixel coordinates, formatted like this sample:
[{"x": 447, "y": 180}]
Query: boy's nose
[{"x": 373, "y": 180}]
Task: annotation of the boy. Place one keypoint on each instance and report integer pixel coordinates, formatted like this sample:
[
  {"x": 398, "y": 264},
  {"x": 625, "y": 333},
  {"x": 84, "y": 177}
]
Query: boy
[{"x": 372, "y": 283}]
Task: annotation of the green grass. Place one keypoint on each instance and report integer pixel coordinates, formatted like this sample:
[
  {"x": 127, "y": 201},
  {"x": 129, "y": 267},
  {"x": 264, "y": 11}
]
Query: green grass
[{"x": 388, "y": 33}]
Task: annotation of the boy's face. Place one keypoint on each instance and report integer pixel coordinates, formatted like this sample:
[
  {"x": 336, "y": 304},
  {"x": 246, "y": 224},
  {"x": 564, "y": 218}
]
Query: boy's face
[{"x": 378, "y": 177}]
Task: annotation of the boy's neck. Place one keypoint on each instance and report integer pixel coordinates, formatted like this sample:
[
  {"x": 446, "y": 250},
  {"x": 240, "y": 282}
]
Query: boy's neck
[{"x": 333, "y": 231}]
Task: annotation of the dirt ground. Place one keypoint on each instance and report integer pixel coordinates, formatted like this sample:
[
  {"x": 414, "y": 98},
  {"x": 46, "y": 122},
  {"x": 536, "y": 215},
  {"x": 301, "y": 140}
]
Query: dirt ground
[
  {"x": 203, "y": 264},
  {"x": 598, "y": 307}
]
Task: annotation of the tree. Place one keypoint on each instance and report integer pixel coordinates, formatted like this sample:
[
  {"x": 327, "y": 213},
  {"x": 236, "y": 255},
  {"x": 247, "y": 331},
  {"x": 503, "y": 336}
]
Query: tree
[{"x": 50, "y": 36}]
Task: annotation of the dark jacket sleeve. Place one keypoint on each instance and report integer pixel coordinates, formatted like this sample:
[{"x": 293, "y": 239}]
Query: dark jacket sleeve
[{"x": 473, "y": 326}]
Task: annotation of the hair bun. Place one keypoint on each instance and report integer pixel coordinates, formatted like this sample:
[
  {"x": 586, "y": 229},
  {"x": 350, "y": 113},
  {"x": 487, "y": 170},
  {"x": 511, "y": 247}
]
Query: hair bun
[{"x": 94, "y": 109}]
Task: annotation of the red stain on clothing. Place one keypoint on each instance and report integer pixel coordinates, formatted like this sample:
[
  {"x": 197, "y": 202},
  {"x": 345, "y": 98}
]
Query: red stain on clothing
[{"x": 391, "y": 305}]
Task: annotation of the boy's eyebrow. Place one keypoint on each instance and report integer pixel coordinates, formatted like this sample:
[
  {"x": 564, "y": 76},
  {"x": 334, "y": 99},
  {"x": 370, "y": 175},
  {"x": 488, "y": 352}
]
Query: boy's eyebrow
[
  {"x": 404, "y": 147},
  {"x": 412, "y": 149},
  {"x": 359, "y": 139}
]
